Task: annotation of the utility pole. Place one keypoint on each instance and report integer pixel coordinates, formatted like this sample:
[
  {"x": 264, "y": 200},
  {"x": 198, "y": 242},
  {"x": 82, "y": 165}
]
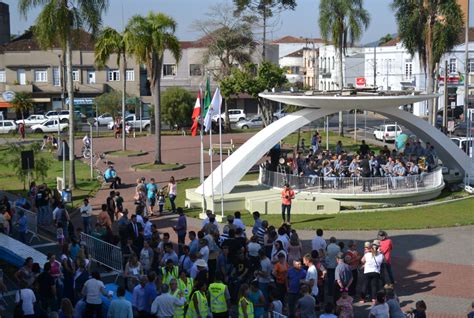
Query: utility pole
[
  {"x": 436, "y": 101},
  {"x": 315, "y": 79},
  {"x": 375, "y": 66},
  {"x": 445, "y": 108}
]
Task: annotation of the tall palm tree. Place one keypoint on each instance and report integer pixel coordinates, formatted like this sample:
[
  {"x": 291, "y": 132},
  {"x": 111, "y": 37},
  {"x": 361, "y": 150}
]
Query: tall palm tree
[
  {"x": 429, "y": 28},
  {"x": 147, "y": 38},
  {"x": 55, "y": 26},
  {"x": 342, "y": 23},
  {"x": 109, "y": 42},
  {"x": 22, "y": 103}
]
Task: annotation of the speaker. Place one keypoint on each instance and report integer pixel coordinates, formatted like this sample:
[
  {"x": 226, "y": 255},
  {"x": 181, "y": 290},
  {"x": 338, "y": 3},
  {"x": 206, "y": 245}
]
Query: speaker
[{"x": 27, "y": 160}]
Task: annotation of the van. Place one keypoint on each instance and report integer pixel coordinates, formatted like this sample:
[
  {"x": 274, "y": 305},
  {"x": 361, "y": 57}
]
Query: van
[
  {"x": 7, "y": 126},
  {"x": 463, "y": 143}
]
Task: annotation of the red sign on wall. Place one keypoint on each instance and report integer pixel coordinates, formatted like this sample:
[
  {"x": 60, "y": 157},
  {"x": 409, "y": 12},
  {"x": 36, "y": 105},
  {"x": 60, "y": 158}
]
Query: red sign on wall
[{"x": 360, "y": 81}]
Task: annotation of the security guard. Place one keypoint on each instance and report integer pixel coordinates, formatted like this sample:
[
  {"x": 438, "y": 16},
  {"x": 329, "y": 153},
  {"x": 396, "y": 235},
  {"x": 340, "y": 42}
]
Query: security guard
[
  {"x": 245, "y": 305},
  {"x": 176, "y": 292},
  {"x": 168, "y": 272},
  {"x": 198, "y": 305},
  {"x": 185, "y": 284},
  {"x": 219, "y": 297}
]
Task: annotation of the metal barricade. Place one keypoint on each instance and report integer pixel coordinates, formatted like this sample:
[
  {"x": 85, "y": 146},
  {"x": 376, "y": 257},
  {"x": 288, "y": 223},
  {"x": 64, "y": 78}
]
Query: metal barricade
[
  {"x": 104, "y": 253},
  {"x": 31, "y": 221}
]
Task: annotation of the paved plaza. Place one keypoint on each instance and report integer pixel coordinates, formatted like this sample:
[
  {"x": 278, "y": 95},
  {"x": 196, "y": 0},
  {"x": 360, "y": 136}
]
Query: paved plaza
[{"x": 435, "y": 265}]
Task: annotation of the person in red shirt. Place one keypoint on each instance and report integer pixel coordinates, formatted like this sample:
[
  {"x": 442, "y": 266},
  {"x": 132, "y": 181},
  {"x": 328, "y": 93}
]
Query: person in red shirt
[
  {"x": 286, "y": 196},
  {"x": 386, "y": 248}
]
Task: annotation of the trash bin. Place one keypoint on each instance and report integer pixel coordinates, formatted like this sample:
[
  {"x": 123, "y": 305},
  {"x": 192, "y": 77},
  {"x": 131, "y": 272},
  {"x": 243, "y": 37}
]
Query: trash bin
[{"x": 66, "y": 195}]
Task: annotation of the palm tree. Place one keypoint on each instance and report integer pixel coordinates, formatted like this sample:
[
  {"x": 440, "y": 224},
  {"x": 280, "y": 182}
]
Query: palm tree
[
  {"x": 342, "y": 23},
  {"x": 55, "y": 26},
  {"x": 386, "y": 38},
  {"x": 109, "y": 42},
  {"x": 147, "y": 38},
  {"x": 429, "y": 28},
  {"x": 22, "y": 103}
]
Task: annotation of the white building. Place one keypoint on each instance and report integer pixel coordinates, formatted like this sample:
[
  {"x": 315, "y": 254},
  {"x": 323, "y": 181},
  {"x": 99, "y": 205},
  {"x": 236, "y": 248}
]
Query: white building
[
  {"x": 289, "y": 44},
  {"x": 293, "y": 64}
]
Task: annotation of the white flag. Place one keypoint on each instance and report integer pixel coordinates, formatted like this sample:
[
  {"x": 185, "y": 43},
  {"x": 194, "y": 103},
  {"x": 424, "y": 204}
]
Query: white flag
[{"x": 214, "y": 109}]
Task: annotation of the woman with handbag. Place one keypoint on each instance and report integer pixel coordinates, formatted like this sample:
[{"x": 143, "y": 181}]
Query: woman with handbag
[
  {"x": 24, "y": 302},
  {"x": 372, "y": 261}
]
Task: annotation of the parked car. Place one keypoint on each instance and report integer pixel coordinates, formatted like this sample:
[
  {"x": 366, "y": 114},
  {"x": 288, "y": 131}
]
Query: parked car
[
  {"x": 134, "y": 121},
  {"x": 235, "y": 115},
  {"x": 7, "y": 126},
  {"x": 32, "y": 120},
  {"x": 255, "y": 122},
  {"x": 103, "y": 119},
  {"x": 387, "y": 132},
  {"x": 49, "y": 125},
  {"x": 463, "y": 143},
  {"x": 279, "y": 114},
  {"x": 63, "y": 115}
]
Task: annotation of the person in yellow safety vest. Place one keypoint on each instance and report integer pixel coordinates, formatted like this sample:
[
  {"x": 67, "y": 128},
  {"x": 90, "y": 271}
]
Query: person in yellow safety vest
[
  {"x": 245, "y": 306},
  {"x": 168, "y": 272},
  {"x": 174, "y": 291},
  {"x": 219, "y": 297},
  {"x": 198, "y": 305},
  {"x": 185, "y": 284}
]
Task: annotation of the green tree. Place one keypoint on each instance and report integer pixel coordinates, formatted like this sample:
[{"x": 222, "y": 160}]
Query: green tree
[
  {"x": 386, "y": 38},
  {"x": 110, "y": 42},
  {"x": 22, "y": 103},
  {"x": 429, "y": 28},
  {"x": 147, "y": 39},
  {"x": 254, "y": 80},
  {"x": 230, "y": 41},
  {"x": 110, "y": 102},
  {"x": 266, "y": 9},
  {"x": 177, "y": 107},
  {"x": 42, "y": 164},
  {"x": 57, "y": 24},
  {"x": 342, "y": 23}
]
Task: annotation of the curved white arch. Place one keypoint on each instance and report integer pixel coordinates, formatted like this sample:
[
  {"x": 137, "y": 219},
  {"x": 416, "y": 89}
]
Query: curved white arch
[{"x": 237, "y": 165}]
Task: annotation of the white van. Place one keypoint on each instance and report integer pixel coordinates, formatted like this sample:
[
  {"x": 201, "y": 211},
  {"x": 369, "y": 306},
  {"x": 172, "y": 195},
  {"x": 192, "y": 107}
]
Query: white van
[
  {"x": 462, "y": 143},
  {"x": 7, "y": 126}
]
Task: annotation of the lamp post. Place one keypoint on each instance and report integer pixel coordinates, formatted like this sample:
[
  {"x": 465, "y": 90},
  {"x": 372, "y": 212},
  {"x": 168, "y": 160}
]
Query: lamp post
[{"x": 91, "y": 150}]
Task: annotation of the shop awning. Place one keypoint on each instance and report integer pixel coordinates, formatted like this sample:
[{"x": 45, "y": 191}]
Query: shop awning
[
  {"x": 41, "y": 100},
  {"x": 5, "y": 105}
]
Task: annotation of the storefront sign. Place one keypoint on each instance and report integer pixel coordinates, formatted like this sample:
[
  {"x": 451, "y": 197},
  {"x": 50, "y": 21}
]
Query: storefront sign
[
  {"x": 81, "y": 101},
  {"x": 8, "y": 96},
  {"x": 360, "y": 81}
]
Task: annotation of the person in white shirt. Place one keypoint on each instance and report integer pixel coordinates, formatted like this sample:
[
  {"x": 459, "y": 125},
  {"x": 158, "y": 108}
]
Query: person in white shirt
[
  {"x": 372, "y": 261},
  {"x": 238, "y": 222},
  {"x": 28, "y": 297},
  {"x": 86, "y": 212},
  {"x": 204, "y": 250},
  {"x": 92, "y": 290},
  {"x": 147, "y": 233},
  {"x": 319, "y": 243},
  {"x": 311, "y": 275},
  {"x": 163, "y": 305},
  {"x": 283, "y": 237},
  {"x": 87, "y": 141}
]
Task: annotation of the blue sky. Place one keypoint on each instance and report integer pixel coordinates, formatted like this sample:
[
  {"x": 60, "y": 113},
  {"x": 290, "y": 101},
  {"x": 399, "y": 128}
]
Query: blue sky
[{"x": 300, "y": 22}]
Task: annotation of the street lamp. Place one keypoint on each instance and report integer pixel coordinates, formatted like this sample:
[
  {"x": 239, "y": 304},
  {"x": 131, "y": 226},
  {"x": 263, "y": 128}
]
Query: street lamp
[{"x": 90, "y": 123}]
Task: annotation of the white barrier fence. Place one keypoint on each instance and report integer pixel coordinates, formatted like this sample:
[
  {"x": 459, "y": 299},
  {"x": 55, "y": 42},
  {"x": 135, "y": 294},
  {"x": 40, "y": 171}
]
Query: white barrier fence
[
  {"x": 104, "y": 253},
  {"x": 31, "y": 221}
]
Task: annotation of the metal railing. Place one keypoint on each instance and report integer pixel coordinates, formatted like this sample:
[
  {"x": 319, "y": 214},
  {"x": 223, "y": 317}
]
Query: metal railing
[
  {"x": 31, "y": 221},
  {"x": 104, "y": 253},
  {"x": 354, "y": 185}
]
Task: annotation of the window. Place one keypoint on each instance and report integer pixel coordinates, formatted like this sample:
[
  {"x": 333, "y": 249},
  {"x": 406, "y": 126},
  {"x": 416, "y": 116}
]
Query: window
[
  {"x": 3, "y": 76},
  {"x": 195, "y": 70},
  {"x": 75, "y": 76},
  {"x": 130, "y": 75},
  {"x": 41, "y": 76},
  {"x": 113, "y": 76},
  {"x": 90, "y": 77},
  {"x": 452, "y": 65},
  {"x": 169, "y": 70},
  {"x": 470, "y": 66},
  {"x": 408, "y": 69},
  {"x": 333, "y": 62},
  {"x": 293, "y": 70},
  {"x": 56, "y": 76}
]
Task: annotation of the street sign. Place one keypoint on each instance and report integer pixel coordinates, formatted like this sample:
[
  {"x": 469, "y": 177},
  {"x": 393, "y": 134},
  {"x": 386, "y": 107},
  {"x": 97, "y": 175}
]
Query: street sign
[
  {"x": 360, "y": 81},
  {"x": 451, "y": 125}
]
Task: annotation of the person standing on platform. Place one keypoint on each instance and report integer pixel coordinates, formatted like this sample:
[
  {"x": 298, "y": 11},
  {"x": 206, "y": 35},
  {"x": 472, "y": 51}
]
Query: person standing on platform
[{"x": 286, "y": 196}]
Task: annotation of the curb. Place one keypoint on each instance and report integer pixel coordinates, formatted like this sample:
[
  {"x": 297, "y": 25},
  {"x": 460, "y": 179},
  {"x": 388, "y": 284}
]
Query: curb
[
  {"x": 178, "y": 167},
  {"x": 109, "y": 153}
]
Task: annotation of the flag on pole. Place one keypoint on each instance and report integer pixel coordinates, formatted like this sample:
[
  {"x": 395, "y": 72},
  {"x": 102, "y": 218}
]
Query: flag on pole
[
  {"x": 195, "y": 116},
  {"x": 207, "y": 97},
  {"x": 214, "y": 109}
]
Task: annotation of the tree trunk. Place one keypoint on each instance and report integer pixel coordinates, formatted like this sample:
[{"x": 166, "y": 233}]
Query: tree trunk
[
  {"x": 264, "y": 111},
  {"x": 227, "y": 119},
  {"x": 124, "y": 89},
  {"x": 70, "y": 93},
  {"x": 264, "y": 46},
  {"x": 155, "y": 82},
  {"x": 341, "y": 86},
  {"x": 298, "y": 140},
  {"x": 429, "y": 57}
]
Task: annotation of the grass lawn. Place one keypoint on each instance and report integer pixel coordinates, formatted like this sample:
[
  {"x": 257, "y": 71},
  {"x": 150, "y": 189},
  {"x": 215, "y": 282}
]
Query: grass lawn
[
  {"x": 444, "y": 215},
  {"x": 10, "y": 182},
  {"x": 347, "y": 142},
  {"x": 152, "y": 166},
  {"x": 126, "y": 153}
]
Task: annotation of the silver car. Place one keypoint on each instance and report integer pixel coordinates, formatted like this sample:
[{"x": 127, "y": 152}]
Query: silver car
[{"x": 255, "y": 122}]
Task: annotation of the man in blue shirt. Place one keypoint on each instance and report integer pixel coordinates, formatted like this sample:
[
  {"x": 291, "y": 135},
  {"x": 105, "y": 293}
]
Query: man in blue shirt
[
  {"x": 22, "y": 226},
  {"x": 296, "y": 276},
  {"x": 110, "y": 175},
  {"x": 120, "y": 307},
  {"x": 150, "y": 291},
  {"x": 151, "y": 190},
  {"x": 258, "y": 222},
  {"x": 194, "y": 244},
  {"x": 139, "y": 300}
]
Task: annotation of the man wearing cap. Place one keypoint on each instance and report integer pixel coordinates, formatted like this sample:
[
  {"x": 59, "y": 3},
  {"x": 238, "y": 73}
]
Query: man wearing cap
[
  {"x": 199, "y": 271},
  {"x": 286, "y": 196},
  {"x": 169, "y": 272},
  {"x": 343, "y": 277},
  {"x": 386, "y": 247}
]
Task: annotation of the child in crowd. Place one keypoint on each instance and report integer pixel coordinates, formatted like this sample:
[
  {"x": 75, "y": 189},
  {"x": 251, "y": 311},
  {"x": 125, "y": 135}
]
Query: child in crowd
[
  {"x": 344, "y": 305},
  {"x": 118, "y": 204},
  {"x": 420, "y": 310},
  {"x": 161, "y": 200},
  {"x": 60, "y": 234}
]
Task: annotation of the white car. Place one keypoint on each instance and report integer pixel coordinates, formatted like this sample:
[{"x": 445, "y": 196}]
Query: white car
[
  {"x": 235, "y": 115},
  {"x": 387, "y": 132},
  {"x": 103, "y": 119},
  {"x": 134, "y": 121},
  {"x": 279, "y": 114},
  {"x": 49, "y": 125},
  {"x": 63, "y": 115},
  {"x": 255, "y": 122},
  {"x": 7, "y": 126},
  {"x": 463, "y": 143},
  {"x": 32, "y": 120}
]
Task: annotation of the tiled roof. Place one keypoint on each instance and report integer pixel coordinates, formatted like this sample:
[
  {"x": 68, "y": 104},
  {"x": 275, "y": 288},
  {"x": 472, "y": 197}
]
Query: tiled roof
[
  {"x": 292, "y": 39},
  {"x": 27, "y": 42},
  {"x": 392, "y": 42},
  {"x": 298, "y": 53}
]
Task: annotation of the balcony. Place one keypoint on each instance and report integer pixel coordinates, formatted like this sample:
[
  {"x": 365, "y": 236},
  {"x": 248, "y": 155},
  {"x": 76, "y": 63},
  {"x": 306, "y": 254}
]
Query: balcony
[{"x": 28, "y": 88}]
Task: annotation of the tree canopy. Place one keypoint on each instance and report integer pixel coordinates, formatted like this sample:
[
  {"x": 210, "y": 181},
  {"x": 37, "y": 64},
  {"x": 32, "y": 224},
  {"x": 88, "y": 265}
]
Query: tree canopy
[
  {"x": 177, "y": 107},
  {"x": 111, "y": 102}
]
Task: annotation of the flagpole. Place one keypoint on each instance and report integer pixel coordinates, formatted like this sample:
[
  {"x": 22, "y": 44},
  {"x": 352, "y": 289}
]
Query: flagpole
[
  {"x": 220, "y": 161},
  {"x": 211, "y": 152},
  {"x": 201, "y": 134}
]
